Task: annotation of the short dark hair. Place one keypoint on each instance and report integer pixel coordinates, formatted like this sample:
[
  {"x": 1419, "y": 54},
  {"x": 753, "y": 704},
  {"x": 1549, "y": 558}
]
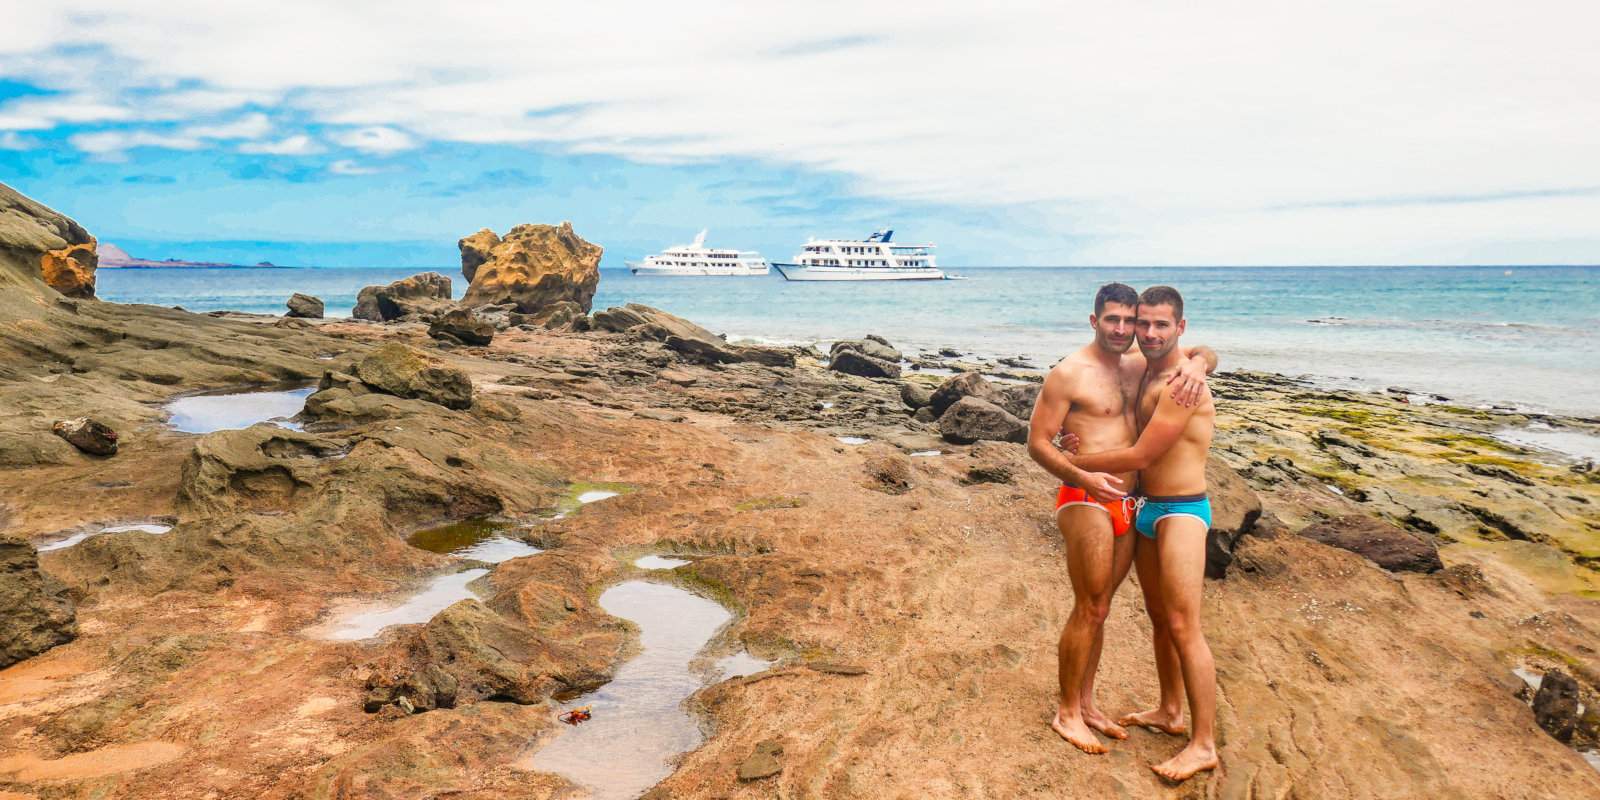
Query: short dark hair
[
  {"x": 1115, "y": 293},
  {"x": 1163, "y": 296}
]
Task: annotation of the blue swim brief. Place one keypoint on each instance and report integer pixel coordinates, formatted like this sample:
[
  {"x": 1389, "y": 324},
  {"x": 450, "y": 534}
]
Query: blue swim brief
[{"x": 1155, "y": 509}]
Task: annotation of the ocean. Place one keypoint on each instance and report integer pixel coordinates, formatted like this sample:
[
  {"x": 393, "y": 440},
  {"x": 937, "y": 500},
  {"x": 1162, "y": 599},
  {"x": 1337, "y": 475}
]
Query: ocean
[{"x": 1519, "y": 337}]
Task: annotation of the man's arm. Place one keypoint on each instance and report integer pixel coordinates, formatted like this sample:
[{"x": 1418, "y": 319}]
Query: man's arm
[
  {"x": 1157, "y": 438},
  {"x": 1190, "y": 379},
  {"x": 1049, "y": 410}
]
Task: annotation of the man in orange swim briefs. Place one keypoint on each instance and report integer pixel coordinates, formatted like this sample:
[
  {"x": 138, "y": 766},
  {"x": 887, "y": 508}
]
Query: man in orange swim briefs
[{"x": 1091, "y": 394}]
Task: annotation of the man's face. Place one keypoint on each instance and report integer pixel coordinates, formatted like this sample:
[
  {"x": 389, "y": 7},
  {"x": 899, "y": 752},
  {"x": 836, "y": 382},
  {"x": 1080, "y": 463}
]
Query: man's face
[
  {"x": 1113, "y": 327},
  {"x": 1159, "y": 330}
]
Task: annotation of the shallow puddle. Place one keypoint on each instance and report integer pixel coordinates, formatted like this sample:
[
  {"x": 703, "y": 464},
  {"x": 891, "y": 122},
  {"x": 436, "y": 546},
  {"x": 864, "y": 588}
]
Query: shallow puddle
[
  {"x": 152, "y": 528},
  {"x": 659, "y": 562},
  {"x": 741, "y": 664},
  {"x": 926, "y": 454},
  {"x": 596, "y": 495},
  {"x": 221, "y": 412},
  {"x": 492, "y": 541},
  {"x": 367, "y": 621},
  {"x": 853, "y": 440},
  {"x": 639, "y": 724},
  {"x": 1573, "y": 445}
]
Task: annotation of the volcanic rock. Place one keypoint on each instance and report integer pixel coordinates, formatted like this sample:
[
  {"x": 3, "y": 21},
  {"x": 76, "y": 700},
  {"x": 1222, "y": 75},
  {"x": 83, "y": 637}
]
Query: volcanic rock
[
  {"x": 1019, "y": 399},
  {"x": 463, "y": 326},
  {"x": 90, "y": 436},
  {"x": 971, "y": 419},
  {"x": 404, "y": 372},
  {"x": 420, "y": 296},
  {"x": 1555, "y": 706},
  {"x": 304, "y": 305},
  {"x": 1386, "y": 545},
  {"x": 36, "y": 612},
  {"x": 874, "y": 346},
  {"x": 855, "y": 362},
  {"x": 531, "y": 266},
  {"x": 40, "y": 247},
  {"x": 958, "y": 386}
]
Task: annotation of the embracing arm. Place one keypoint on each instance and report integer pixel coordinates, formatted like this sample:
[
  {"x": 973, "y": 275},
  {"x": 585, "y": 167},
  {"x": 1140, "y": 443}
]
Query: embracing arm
[
  {"x": 1190, "y": 379},
  {"x": 1157, "y": 438},
  {"x": 1055, "y": 399}
]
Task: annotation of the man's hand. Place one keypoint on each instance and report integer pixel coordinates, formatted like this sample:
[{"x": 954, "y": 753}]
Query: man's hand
[
  {"x": 1067, "y": 441},
  {"x": 1188, "y": 382},
  {"x": 1103, "y": 487}
]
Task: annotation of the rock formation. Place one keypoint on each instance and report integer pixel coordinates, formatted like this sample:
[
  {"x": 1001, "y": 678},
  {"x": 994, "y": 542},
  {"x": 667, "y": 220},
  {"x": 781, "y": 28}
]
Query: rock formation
[
  {"x": 36, "y": 613},
  {"x": 40, "y": 246},
  {"x": 423, "y": 296},
  {"x": 463, "y": 326},
  {"x": 855, "y": 362},
  {"x": 971, "y": 419},
  {"x": 693, "y": 343},
  {"x": 90, "y": 436},
  {"x": 532, "y": 266},
  {"x": 405, "y": 372},
  {"x": 1555, "y": 705},
  {"x": 958, "y": 386},
  {"x": 308, "y": 307},
  {"x": 1387, "y": 546}
]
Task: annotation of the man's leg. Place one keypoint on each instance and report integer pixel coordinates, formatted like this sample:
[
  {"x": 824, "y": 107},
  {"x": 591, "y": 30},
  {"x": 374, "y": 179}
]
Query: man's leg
[
  {"x": 1167, "y": 716},
  {"x": 1182, "y": 541},
  {"x": 1086, "y": 534},
  {"x": 1121, "y": 561}
]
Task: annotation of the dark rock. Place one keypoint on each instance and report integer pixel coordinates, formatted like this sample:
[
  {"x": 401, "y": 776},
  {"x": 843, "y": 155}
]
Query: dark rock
[
  {"x": 304, "y": 305},
  {"x": 691, "y": 342},
  {"x": 1019, "y": 399},
  {"x": 971, "y": 419},
  {"x": 90, "y": 436},
  {"x": 463, "y": 326},
  {"x": 36, "y": 613},
  {"x": 1555, "y": 706},
  {"x": 763, "y": 762},
  {"x": 967, "y": 384},
  {"x": 420, "y": 296},
  {"x": 990, "y": 473},
  {"x": 403, "y": 372},
  {"x": 1235, "y": 510},
  {"x": 855, "y": 362},
  {"x": 915, "y": 395},
  {"x": 924, "y": 414},
  {"x": 874, "y": 346},
  {"x": 946, "y": 352},
  {"x": 1387, "y": 546},
  {"x": 560, "y": 315}
]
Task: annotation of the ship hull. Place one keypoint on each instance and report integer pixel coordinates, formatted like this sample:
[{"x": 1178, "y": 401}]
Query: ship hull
[
  {"x": 801, "y": 272},
  {"x": 703, "y": 272}
]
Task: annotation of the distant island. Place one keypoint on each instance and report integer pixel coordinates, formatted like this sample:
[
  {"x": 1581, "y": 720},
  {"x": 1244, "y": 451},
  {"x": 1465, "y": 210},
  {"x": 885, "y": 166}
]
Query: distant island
[{"x": 114, "y": 257}]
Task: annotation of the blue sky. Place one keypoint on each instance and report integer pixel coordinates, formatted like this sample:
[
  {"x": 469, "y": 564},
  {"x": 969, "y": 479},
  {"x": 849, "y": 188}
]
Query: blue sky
[{"x": 378, "y": 134}]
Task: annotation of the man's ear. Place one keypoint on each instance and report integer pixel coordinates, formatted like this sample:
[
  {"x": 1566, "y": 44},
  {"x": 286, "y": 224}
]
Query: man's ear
[
  {"x": 1182, "y": 325},
  {"x": 1094, "y": 321}
]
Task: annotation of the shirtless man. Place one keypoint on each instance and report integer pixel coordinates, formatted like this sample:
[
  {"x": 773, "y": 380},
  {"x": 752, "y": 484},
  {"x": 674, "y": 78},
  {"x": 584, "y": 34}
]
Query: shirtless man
[
  {"x": 1173, "y": 517},
  {"x": 1090, "y": 395}
]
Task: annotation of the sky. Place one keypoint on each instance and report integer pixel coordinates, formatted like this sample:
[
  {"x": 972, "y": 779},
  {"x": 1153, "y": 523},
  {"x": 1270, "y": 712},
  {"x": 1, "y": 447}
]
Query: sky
[{"x": 1008, "y": 133}]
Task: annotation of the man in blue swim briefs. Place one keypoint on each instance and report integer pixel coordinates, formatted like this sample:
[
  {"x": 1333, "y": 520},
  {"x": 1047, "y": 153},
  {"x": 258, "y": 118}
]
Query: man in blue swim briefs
[{"x": 1173, "y": 517}]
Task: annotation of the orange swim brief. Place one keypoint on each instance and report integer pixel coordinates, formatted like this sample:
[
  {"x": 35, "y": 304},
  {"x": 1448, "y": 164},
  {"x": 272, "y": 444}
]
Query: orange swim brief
[{"x": 1121, "y": 519}]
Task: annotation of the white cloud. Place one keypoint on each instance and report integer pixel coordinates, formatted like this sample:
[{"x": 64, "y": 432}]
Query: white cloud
[
  {"x": 345, "y": 166},
  {"x": 376, "y": 140},
  {"x": 1150, "y": 130},
  {"x": 113, "y": 142},
  {"x": 11, "y": 140},
  {"x": 297, "y": 145},
  {"x": 249, "y": 126},
  {"x": 40, "y": 113}
]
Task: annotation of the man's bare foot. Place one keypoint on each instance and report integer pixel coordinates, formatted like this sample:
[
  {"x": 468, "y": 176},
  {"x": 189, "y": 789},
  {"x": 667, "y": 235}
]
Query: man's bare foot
[
  {"x": 1102, "y": 723},
  {"x": 1078, "y": 735},
  {"x": 1186, "y": 763},
  {"x": 1157, "y": 720}
]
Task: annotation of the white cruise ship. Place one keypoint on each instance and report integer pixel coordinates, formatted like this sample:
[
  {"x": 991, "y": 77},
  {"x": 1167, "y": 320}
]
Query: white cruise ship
[
  {"x": 872, "y": 259},
  {"x": 697, "y": 259}
]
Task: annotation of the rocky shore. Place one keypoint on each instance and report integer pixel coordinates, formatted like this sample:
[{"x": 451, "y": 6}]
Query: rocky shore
[{"x": 1380, "y": 566}]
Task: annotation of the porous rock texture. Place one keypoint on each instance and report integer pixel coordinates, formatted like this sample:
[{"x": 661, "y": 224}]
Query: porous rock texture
[
  {"x": 38, "y": 244},
  {"x": 35, "y": 612},
  {"x": 532, "y": 266}
]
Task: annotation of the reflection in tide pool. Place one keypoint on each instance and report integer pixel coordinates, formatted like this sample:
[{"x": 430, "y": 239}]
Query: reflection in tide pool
[
  {"x": 659, "y": 562},
  {"x": 477, "y": 539},
  {"x": 441, "y": 593},
  {"x": 639, "y": 722},
  {"x": 741, "y": 664},
  {"x": 152, "y": 528},
  {"x": 221, "y": 412}
]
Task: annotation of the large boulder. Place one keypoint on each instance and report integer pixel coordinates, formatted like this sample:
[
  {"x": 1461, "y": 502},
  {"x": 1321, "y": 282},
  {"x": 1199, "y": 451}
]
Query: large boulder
[
  {"x": 36, "y": 612},
  {"x": 693, "y": 343},
  {"x": 915, "y": 395},
  {"x": 1235, "y": 509},
  {"x": 1555, "y": 705},
  {"x": 874, "y": 346},
  {"x": 1387, "y": 546},
  {"x": 307, "y": 307},
  {"x": 1019, "y": 398},
  {"x": 971, "y": 419},
  {"x": 855, "y": 362},
  {"x": 40, "y": 247},
  {"x": 967, "y": 384},
  {"x": 423, "y": 296},
  {"x": 463, "y": 326},
  {"x": 531, "y": 266},
  {"x": 404, "y": 372}
]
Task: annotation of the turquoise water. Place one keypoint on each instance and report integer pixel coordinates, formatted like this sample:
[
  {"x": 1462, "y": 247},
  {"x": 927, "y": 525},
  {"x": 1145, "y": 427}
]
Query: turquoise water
[{"x": 1475, "y": 334}]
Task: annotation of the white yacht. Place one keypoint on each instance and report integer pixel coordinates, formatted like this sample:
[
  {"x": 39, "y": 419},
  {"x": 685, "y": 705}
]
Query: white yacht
[
  {"x": 872, "y": 259},
  {"x": 697, "y": 259}
]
